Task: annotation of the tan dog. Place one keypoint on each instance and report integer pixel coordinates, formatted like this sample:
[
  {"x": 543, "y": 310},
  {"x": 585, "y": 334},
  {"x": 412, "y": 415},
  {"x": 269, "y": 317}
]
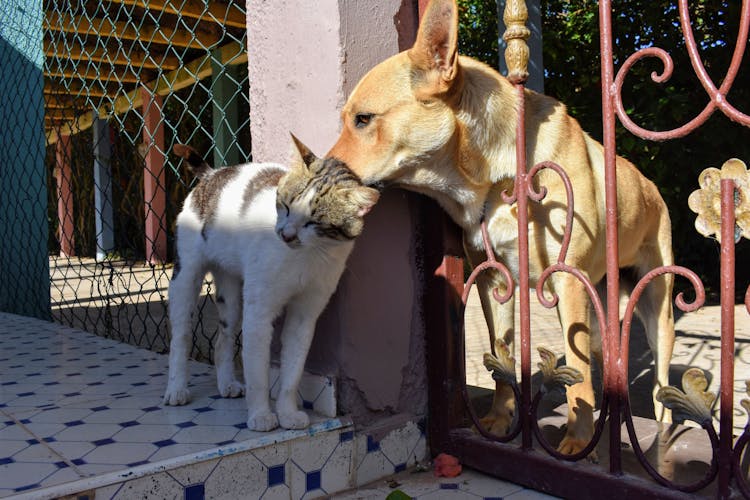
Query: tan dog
[{"x": 444, "y": 125}]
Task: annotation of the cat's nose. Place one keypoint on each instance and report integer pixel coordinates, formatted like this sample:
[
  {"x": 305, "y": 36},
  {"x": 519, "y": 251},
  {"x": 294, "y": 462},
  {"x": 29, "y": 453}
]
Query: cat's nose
[{"x": 289, "y": 236}]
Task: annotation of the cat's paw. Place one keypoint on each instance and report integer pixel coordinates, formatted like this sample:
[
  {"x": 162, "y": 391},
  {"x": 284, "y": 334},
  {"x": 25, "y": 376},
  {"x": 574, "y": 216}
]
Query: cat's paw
[
  {"x": 177, "y": 396},
  {"x": 262, "y": 421},
  {"x": 231, "y": 389},
  {"x": 294, "y": 420}
]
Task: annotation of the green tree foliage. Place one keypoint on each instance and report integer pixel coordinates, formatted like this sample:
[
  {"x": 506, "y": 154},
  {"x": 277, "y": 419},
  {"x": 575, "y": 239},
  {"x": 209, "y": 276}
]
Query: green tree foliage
[
  {"x": 573, "y": 75},
  {"x": 478, "y": 30}
]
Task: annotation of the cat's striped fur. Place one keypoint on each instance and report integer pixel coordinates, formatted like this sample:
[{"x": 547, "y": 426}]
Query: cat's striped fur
[{"x": 274, "y": 238}]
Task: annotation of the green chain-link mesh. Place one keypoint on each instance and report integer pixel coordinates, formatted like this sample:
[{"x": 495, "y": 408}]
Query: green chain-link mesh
[{"x": 107, "y": 66}]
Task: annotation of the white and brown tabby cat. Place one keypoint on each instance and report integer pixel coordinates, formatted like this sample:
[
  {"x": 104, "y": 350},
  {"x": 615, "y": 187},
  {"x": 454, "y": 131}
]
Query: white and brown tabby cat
[{"x": 274, "y": 238}]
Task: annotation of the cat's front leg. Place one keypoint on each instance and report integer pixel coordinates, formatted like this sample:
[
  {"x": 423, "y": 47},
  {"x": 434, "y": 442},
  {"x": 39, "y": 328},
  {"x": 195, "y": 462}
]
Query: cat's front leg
[
  {"x": 183, "y": 291},
  {"x": 299, "y": 328},
  {"x": 257, "y": 331},
  {"x": 228, "y": 300}
]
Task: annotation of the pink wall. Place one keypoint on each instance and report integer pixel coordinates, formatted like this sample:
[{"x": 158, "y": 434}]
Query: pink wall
[
  {"x": 294, "y": 59},
  {"x": 304, "y": 59}
]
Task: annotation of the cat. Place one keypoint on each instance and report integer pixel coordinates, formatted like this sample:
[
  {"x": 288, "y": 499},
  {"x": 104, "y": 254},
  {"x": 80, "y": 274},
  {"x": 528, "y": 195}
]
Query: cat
[{"x": 274, "y": 238}]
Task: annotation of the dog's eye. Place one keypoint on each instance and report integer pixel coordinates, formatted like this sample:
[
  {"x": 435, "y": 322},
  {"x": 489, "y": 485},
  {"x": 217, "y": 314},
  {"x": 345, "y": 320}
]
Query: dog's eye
[{"x": 362, "y": 120}]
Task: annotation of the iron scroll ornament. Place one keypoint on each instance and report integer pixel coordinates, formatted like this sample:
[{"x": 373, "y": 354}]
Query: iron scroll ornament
[{"x": 718, "y": 99}]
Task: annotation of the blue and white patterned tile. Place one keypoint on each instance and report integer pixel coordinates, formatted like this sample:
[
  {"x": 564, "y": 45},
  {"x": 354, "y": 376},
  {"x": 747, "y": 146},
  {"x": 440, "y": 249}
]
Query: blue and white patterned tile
[
  {"x": 240, "y": 476},
  {"x": 370, "y": 462},
  {"x": 19, "y": 477},
  {"x": 73, "y": 451},
  {"x": 194, "y": 474},
  {"x": 160, "y": 485},
  {"x": 312, "y": 453},
  {"x": 316, "y": 392},
  {"x": 320, "y": 464},
  {"x": 12, "y": 432},
  {"x": 401, "y": 446},
  {"x": 97, "y": 406},
  {"x": 206, "y": 434}
]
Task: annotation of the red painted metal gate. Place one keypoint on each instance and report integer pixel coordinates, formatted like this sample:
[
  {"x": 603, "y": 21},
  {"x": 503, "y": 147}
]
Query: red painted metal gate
[{"x": 524, "y": 455}]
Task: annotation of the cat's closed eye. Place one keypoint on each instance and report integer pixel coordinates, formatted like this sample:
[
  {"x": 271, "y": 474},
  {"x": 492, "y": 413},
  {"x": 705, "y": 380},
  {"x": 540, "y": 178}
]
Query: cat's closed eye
[
  {"x": 280, "y": 205},
  {"x": 310, "y": 224}
]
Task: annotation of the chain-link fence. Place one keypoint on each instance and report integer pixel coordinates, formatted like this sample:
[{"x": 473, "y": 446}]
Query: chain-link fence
[{"x": 125, "y": 80}]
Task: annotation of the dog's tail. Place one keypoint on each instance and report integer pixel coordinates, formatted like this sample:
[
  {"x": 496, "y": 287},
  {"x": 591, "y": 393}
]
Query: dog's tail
[{"x": 195, "y": 161}]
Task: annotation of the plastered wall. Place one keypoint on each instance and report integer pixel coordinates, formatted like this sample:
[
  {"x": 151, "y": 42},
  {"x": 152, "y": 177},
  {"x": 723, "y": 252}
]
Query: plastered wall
[{"x": 304, "y": 59}]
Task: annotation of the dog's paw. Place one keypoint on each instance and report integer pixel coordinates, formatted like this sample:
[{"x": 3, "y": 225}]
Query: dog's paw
[
  {"x": 231, "y": 389},
  {"x": 177, "y": 396},
  {"x": 262, "y": 421},
  {"x": 570, "y": 445},
  {"x": 497, "y": 423},
  {"x": 294, "y": 420}
]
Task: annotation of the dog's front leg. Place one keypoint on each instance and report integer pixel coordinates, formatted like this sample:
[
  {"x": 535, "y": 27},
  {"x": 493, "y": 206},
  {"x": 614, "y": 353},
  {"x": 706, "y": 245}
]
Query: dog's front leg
[
  {"x": 500, "y": 320},
  {"x": 573, "y": 310}
]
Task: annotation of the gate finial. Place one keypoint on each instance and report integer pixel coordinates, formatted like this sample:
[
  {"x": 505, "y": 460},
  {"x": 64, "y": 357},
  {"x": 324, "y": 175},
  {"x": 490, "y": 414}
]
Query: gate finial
[{"x": 516, "y": 33}]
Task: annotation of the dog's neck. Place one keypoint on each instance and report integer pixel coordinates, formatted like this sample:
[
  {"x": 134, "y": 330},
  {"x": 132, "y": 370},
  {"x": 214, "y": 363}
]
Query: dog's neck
[{"x": 482, "y": 152}]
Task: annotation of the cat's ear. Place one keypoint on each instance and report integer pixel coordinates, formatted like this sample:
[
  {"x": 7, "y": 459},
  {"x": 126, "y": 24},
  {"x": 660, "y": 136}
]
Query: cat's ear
[
  {"x": 363, "y": 197},
  {"x": 302, "y": 152}
]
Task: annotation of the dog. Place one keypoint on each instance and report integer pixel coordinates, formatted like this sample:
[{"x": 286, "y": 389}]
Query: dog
[{"x": 442, "y": 124}]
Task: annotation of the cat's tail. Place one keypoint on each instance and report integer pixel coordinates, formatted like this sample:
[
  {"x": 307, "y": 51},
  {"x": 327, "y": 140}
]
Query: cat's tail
[{"x": 195, "y": 161}]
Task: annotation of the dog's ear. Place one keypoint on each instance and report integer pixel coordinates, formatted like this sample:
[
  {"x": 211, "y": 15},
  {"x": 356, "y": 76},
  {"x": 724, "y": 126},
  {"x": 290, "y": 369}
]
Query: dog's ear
[
  {"x": 436, "y": 48},
  {"x": 302, "y": 152}
]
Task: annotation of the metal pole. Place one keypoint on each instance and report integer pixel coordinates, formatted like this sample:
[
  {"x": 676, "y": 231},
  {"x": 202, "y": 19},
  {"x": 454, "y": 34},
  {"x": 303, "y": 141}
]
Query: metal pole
[
  {"x": 614, "y": 383},
  {"x": 726, "y": 392}
]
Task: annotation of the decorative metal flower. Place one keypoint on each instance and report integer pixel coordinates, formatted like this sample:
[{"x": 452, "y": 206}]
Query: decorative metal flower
[
  {"x": 746, "y": 402},
  {"x": 502, "y": 366},
  {"x": 696, "y": 402},
  {"x": 553, "y": 375},
  {"x": 706, "y": 201}
]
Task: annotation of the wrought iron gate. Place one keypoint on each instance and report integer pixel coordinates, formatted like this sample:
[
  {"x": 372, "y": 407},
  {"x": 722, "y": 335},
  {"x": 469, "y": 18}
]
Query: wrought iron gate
[{"x": 525, "y": 454}]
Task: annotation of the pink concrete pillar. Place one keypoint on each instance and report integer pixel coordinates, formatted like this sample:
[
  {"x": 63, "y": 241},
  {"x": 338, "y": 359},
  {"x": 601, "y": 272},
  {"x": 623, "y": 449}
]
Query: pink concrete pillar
[
  {"x": 304, "y": 58},
  {"x": 154, "y": 187},
  {"x": 64, "y": 178}
]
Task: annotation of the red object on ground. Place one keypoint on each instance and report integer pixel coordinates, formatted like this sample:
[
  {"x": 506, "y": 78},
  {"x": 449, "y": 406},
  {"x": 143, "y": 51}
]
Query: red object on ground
[{"x": 446, "y": 466}]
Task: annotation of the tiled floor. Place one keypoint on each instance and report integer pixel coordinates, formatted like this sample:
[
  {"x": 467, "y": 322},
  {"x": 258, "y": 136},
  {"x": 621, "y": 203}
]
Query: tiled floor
[
  {"x": 470, "y": 485},
  {"x": 80, "y": 414},
  {"x": 73, "y": 405}
]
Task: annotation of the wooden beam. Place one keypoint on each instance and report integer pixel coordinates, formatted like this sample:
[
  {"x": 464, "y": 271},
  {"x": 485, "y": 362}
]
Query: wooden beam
[
  {"x": 62, "y": 101},
  {"x": 73, "y": 89},
  {"x": 90, "y": 73},
  {"x": 146, "y": 33},
  {"x": 67, "y": 114},
  {"x": 231, "y": 54},
  {"x": 214, "y": 12},
  {"x": 135, "y": 57}
]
